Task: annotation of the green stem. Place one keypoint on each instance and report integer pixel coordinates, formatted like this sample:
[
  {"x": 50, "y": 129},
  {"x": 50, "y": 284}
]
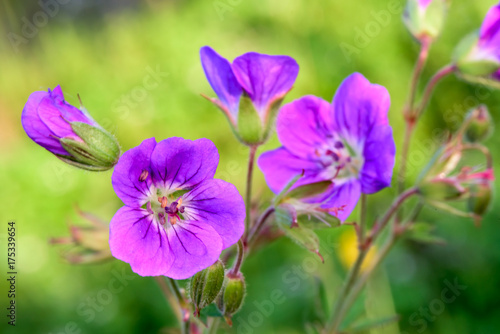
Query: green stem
[
  {"x": 248, "y": 197},
  {"x": 185, "y": 320},
  {"x": 429, "y": 89},
  {"x": 258, "y": 226},
  {"x": 239, "y": 259},
  {"x": 340, "y": 307},
  {"x": 171, "y": 299},
  {"x": 214, "y": 326},
  {"x": 362, "y": 218},
  {"x": 409, "y": 110}
]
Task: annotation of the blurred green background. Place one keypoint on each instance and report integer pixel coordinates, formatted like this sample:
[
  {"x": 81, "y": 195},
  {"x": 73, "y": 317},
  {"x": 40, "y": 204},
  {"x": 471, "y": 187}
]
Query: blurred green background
[{"x": 105, "y": 50}]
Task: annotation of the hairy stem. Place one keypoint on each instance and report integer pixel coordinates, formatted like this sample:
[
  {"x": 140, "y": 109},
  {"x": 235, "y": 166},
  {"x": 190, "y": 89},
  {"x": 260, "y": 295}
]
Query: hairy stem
[
  {"x": 341, "y": 307},
  {"x": 362, "y": 218},
  {"x": 248, "y": 196},
  {"x": 429, "y": 89},
  {"x": 258, "y": 226},
  {"x": 239, "y": 258},
  {"x": 171, "y": 299}
]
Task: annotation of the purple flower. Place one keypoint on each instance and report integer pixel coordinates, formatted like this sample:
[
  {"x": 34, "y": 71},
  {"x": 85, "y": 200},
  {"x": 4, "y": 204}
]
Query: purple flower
[
  {"x": 68, "y": 132},
  {"x": 424, "y": 3},
  {"x": 261, "y": 79},
  {"x": 478, "y": 55},
  {"x": 177, "y": 218},
  {"x": 349, "y": 142}
]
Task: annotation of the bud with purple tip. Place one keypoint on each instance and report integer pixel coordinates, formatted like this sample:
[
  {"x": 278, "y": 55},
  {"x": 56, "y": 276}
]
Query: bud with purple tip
[
  {"x": 68, "y": 132},
  {"x": 425, "y": 18}
]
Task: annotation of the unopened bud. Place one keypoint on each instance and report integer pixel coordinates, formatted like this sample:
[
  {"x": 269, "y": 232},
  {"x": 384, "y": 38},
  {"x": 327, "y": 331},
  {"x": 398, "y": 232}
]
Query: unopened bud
[
  {"x": 479, "y": 125},
  {"x": 206, "y": 286},
  {"x": 480, "y": 198},
  {"x": 231, "y": 298},
  {"x": 441, "y": 190},
  {"x": 425, "y": 18}
]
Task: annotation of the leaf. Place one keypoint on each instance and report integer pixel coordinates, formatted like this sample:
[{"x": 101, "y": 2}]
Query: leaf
[
  {"x": 422, "y": 232},
  {"x": 304, "y": 237},
  {"x": 309, "y": 190},
  {"x": 282, "y": 194},
  {"x": 318, "y": 220},
  {"x": 367, "y": 325}
]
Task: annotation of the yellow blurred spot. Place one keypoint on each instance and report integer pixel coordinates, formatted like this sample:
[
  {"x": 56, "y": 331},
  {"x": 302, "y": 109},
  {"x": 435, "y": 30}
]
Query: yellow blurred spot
[{"x": 349, "y": 250}]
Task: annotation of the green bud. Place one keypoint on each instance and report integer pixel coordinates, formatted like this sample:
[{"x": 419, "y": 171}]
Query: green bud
[
  {"x": 206, "y": 285},
  {"x": 441, "y": 190},
  {"x": 98, "y": 150},
  {"x": 469, "y": 62},
  {"x": 231, "y": 299},
  {"x": 479, "y": 126},
  {"x": 480, "y": 198}
]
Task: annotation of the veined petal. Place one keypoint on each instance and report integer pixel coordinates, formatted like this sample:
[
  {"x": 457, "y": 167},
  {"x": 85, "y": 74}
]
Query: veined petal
[
  {"x": 126, "y": 178},
  {"x": 220, "y": 205},
  {"x": 36, "y": 129},
  {"x": 344, "y": 197},
  {"x": 304, "y": 125},
  {"x": 57, "y": 115},
  {"x": 265, "y": 77},
  {"x": 194, "y": 246},
  {"x": 179, "y": 163},
  {"x": 379, "y": 157},
  {"x": 280, "y": 167},
  {"x": 222, "y": 79},
  {"x": 179, "y": 252},
  {"x": 358, "y": 106},
  {"x": 489, "y": 36}
]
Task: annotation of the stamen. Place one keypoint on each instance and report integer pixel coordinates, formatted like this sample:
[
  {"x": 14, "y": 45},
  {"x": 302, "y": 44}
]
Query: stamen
[
  {"x": 338, "y": 145},
  {"x": 161, "y": 217},
  {"x": 163, "y": 201},
  {"x": 144, "y": 176},
  {"x": 173, "y": 220},
  {"x": 181, "y": 209},
  {"x": 148, "y": 207}
]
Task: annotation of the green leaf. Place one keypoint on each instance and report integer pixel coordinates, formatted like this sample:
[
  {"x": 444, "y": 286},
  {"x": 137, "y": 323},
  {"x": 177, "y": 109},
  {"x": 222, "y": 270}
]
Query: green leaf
[
  {"x": 422, "y": 232},
  {"x": 304, "y": 237},
  {"x": 318, "y": 220},
  {"x": 283, "y": 192},
  {"x": 286, "y": 214},
  {"x": 368, "y": 325},
  {"x": 309, "y": 190}
]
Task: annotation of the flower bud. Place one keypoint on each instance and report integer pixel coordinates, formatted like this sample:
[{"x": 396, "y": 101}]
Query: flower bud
[
  {"x": 425, "y": 18},
  {"x": 479, "y": 125},
  {"x": 231, "y": 298},
  {"x": 88, "y": 243},
  {"x": 68, "y": 132},
  {"x": 249, "y": 90},
  {"x": 480, "y": 198},
  {"x": 206, "y": 286},
  {"x": 441, "y": 190}
]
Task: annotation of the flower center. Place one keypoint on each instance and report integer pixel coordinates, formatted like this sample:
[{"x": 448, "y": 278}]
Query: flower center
[{"x": 340, "y": 160}]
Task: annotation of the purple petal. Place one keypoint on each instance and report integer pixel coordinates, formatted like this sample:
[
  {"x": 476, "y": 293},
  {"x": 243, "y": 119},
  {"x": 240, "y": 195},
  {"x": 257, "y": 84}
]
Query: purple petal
[
  {"x": 264, "y": 77},
  {"x": 36, "y": 129},
  {"x": 222, "y": 79},
  {"x": 424, "y": 3},
  {"x": 489, "y": 36},
  {"x": 57, "y": 115},
  {"x": 359, "y": 106},
  {"x": 280, "y": 167},
  {"x": 379, "y": 157},
  {"x": 181, "y": 163},
  {"x": 126, "y": 174},
  {"x": 186, "y": 248},
  {"x": 344, "y": 195},
  {"x": 304, "y": 125},
  {"x": 220, "y": 205}
]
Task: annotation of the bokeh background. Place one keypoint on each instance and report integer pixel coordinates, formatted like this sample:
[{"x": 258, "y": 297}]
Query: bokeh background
[{"x": 105, "y": 51}]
